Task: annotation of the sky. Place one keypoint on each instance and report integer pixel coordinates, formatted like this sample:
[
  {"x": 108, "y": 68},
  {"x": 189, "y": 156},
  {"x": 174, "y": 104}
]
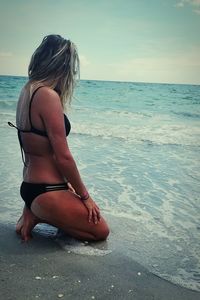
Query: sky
[{"x": 119, "y": 40}]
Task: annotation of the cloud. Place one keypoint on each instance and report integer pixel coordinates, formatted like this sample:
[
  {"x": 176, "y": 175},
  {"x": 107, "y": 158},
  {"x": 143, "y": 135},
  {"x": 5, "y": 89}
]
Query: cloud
[
  {"x": 84, "y": 62},
  {"x": 176, "y": 68},
  {"x": 195, "y": 4},
  {"x": 179, "y": 4},
  {"x": 6, "y": 54},
  {"x": 197, "y": 11},
  {"x": 190, "y": 2}
]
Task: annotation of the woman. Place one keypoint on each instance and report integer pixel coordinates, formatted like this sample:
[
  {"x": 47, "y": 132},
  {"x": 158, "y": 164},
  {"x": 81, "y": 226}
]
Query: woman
[{"x": 48, "y": 163}]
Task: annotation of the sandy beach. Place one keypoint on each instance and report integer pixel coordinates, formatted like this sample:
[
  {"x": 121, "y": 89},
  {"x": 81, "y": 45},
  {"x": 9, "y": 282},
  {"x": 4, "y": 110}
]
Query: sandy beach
[{"x": 41, "y": 269}]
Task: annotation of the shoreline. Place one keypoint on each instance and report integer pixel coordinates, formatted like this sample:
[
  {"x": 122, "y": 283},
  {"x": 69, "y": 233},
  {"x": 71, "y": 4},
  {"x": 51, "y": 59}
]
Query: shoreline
[
  {"x": 40, "y": 269},
  {"x": 120, "y": 81}
]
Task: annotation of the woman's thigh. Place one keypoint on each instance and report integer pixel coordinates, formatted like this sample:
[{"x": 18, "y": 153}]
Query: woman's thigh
[{"x": 65, "y": 210}]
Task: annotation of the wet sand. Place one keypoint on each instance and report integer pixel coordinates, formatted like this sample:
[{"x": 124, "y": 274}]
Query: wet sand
[{"x": 40, "y": 269}]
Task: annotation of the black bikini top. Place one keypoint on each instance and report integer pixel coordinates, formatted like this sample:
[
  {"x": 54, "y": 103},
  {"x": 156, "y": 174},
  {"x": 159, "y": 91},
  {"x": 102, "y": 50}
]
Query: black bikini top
[{"x": 34, "y": 129}]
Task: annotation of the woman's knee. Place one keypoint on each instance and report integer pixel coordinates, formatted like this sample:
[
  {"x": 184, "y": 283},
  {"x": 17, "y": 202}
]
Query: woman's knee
[{"x": 102, "y": 232}]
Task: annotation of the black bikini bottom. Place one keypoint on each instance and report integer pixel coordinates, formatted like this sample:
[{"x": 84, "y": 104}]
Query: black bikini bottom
[{"x": 29, "y": 191}]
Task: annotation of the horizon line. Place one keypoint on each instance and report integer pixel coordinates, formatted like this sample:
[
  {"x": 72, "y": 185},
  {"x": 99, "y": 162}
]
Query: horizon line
[{"x": 126, "y": 81}]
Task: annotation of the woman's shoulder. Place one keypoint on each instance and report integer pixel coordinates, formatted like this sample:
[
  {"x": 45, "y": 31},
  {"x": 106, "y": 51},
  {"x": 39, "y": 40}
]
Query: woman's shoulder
[
  {"x": 46, "y": 100},
  {"x": 43, "y": 92}
]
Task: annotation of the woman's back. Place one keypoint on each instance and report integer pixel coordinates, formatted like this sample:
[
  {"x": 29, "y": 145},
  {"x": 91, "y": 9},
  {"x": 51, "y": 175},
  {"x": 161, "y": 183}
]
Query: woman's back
[{"x": 39, "y": 159}]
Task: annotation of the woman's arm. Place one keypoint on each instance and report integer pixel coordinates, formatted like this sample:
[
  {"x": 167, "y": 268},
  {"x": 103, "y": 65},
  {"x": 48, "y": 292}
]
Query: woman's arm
[{"x": 51, "y": 112}]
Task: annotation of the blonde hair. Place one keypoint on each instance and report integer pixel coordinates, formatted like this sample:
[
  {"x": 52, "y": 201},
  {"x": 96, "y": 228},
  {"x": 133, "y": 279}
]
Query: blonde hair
[{"x": 56, "y": 62}]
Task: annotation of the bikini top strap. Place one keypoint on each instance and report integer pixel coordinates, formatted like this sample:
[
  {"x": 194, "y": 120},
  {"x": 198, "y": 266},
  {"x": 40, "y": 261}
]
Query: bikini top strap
[
  {"x": 21, "y": 148},
  {"x": 30, "y": 104},
  {"x": 20, "y": 141},
  {"x": 12, "y": 125}
]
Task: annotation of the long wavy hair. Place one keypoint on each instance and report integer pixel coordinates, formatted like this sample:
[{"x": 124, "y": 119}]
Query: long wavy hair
[{"x": 56, "y": 62}]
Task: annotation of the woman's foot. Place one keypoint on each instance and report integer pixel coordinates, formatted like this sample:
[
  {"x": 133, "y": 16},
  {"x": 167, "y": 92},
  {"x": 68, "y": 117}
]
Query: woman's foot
[{"x": 26, "y": 223}]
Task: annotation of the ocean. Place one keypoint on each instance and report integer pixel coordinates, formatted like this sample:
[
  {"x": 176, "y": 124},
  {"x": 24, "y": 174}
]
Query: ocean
[{"x": 137, "y": 147}]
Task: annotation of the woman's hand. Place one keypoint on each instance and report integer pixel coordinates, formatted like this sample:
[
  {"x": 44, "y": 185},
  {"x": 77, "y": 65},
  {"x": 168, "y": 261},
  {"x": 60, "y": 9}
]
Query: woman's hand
[{"x": 93, "y": 210}]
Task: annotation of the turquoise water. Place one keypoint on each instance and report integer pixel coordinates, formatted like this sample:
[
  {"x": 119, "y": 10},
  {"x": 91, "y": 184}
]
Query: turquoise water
[{"x": 137, "y": 148}]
